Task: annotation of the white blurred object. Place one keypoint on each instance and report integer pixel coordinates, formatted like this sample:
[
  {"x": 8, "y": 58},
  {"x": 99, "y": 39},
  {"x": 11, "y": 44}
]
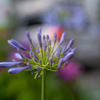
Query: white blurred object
[{"x": 5, "y": 12}]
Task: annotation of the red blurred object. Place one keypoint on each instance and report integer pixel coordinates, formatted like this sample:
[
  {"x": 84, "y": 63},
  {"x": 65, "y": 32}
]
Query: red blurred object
[{"x": 56, "y": 29}]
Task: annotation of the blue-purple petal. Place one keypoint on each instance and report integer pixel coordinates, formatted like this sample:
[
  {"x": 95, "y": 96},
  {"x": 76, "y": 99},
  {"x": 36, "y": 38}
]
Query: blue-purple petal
[
  {"x": 39, "y": 29},
  {"x": 29, "y": 37},
  {"x": 39, "y": 39},
  {"x": 60, "y": 63},
  {"x": 16, "y": 70},
  {"x": 55, "y": 37},
  {"x": 17, "y": 44},
  {"x": 62, "y": 38},
  {"x": 9, "y": 64},
  {"x": 68, "y": 57},
  {"x": 30, "y": 67},
  {"x": 74, "y": 50},
  {"x": 11, "y": 44},
  {"x": 71, "y": 42}
]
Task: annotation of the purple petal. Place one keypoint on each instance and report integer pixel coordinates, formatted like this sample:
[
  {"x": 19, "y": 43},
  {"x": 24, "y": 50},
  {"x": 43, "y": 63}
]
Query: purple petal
[
  {"x": 43, "y": 37},
  {"x": 71, "y": 42},
  {"x": 60, "y": 63},
  {"x": 21, "y": 53},
  {"x": 39, "y": 29},
  {"x": 17, "y": 55},
  {"x": 51, "y": 61},
  {"x": 49, "y": 42},
  {"x": 45, "y": 47},
  {"x": 17, "y": 69},
  {"x": 29, "y": 37},
  {"x": 17, "y": 44},
  {"x": 55, "y": 37},
  {"x": 38, "y": 69},
  {"x": 68, "y": 56},
  {"x": 40, "y": 61},
  {"x": 74, "y": 50},
  {"x": 67, "y": 51},
  {"x": 9, "y": 64},
  {"x": 9, "y": 41},
  {"x": 62, "y": 38},
  {"x": 47, "y": 37},
  {"x": 48, "y": 49},
  {"x": 39, "y": 39},
  {"x": 30, "y": 67}
]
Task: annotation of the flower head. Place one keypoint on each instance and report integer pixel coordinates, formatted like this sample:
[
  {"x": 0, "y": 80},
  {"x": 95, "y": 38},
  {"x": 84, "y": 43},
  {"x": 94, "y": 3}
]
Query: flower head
[{"x": 42, "y": 57}]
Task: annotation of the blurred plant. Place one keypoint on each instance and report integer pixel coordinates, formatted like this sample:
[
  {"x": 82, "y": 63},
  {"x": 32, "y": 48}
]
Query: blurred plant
[{"x": 41, "y": 59}]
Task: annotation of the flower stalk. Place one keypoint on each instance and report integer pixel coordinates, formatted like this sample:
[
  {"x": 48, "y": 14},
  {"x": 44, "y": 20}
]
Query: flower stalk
[{"x": 43, "y": 95}]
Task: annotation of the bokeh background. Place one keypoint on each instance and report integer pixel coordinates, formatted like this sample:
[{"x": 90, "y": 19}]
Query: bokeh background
[{"x": 80, "y": 80}]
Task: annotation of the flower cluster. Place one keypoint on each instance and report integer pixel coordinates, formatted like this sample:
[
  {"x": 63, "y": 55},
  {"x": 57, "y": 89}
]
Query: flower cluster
[{"x": 42, "y": 57}]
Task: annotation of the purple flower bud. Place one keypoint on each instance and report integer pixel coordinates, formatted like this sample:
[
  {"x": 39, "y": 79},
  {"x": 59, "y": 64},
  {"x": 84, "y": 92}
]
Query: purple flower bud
[
  {"x": 60, "y": 63},
  {"x": 44, "y": 42},
  {"x": 68, "y": 57},
  {"x": 48, "y": 49},
  {"x": 9, "y": 64},
  {"x": 71, "y": 42},
  {"x": 65, "y": 53},
  {"x": 62, "y": 38},
  {"x": 51, "y": 61},
  {"x": 39, "y": 39},
  {"x": 45, "y": 46},
  {"x": 49, "y": 42},
  {"x": 30, "y": 67},
  {"x": 21, "y": 53},
  {"x": 34, "y": 59},
  {"x": 28, "y": 36},
  {"x": 39, "y": 30},
  {"x": 38, "y": 69},
  {"x": 17, "y": 55},
  {"x": 74, "y": 50},
  {"x": 17, "y": 69},
  {"x": 55, "y": 37},
  {"x": 9, "y": 41},
  {"x": 64, "y": 46},
  {"x": 40, "y": 61},
  {"x": 47, "y": 37},
  {"x": 17, "y": 44},
  {"x": 43, "y": 37}
]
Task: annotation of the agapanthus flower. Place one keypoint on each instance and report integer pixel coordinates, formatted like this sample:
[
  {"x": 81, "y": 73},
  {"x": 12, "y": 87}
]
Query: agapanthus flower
[{"x": 42, "y": 57}]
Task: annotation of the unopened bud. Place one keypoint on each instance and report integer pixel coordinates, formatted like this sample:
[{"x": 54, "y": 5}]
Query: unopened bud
[
  {"x": 30, "y": 67},
  {"x": 28, "y": 36},
  {"x": 60, "y": 63},
  {"x": 38, "y": 69},
  {"x": 55, "y": 37},
  {"x": 62, "y": 38},
  {"x": 51, "y": 61}
]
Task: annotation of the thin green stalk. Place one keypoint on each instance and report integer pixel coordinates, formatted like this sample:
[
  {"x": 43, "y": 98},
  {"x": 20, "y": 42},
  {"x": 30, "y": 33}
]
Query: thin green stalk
[{"x": 43, "y": 86}]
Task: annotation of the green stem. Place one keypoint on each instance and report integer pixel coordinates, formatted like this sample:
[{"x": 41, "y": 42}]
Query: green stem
[{"x": 43, "y": 86}]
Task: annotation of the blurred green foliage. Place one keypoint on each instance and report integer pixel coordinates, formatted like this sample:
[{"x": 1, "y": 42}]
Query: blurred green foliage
[{"x": 23, "y": 86}]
